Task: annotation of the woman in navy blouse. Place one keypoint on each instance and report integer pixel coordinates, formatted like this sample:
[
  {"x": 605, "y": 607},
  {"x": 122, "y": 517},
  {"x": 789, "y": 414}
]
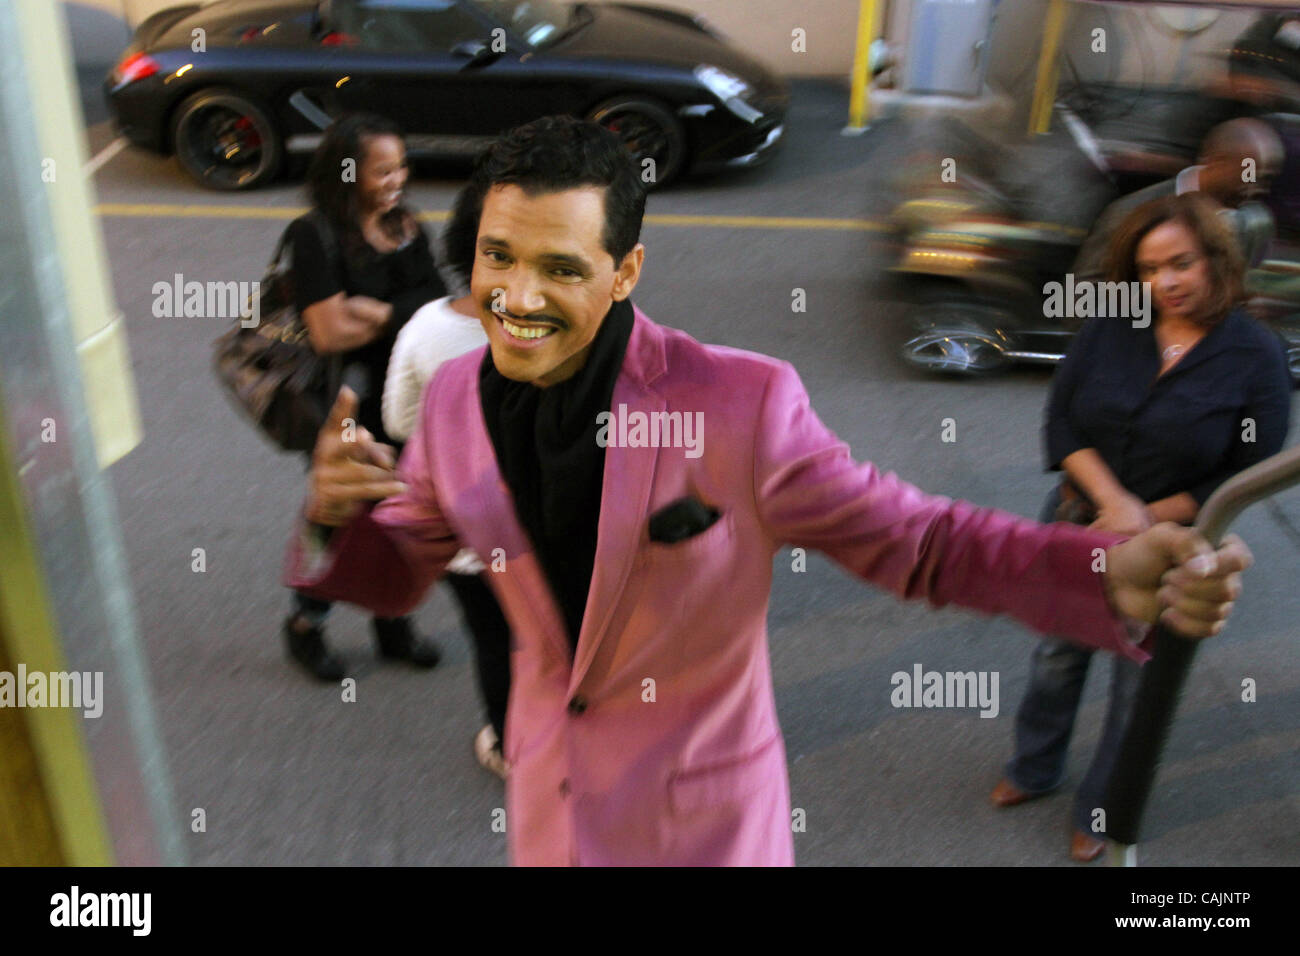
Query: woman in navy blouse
[{"x": 1146, "y": 419}]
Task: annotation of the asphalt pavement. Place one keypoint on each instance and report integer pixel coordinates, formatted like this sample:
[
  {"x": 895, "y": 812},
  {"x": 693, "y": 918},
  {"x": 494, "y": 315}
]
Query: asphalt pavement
[{"x": 289, "y": 773}]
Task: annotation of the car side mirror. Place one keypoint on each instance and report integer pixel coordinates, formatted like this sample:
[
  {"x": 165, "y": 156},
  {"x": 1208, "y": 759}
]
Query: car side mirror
[{"x": 477, "y": 53}]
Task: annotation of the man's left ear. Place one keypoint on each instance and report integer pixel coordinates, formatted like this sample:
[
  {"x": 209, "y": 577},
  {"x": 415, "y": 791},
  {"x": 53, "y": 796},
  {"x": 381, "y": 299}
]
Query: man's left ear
[{"x": 628, "y": 272}]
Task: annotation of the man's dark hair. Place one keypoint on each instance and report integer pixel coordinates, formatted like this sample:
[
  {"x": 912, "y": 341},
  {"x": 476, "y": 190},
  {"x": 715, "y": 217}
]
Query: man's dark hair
[
  {"x": 556, "y": 153},
  {"x": 460, "y": 238}
]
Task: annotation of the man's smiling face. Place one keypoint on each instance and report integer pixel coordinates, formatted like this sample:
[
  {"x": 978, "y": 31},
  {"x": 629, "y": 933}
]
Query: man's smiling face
[{"x": 543, "y": 280}]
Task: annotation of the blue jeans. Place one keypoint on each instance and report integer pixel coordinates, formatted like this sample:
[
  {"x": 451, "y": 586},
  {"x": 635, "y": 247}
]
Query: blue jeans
[{"x": 1045, "y": 719}]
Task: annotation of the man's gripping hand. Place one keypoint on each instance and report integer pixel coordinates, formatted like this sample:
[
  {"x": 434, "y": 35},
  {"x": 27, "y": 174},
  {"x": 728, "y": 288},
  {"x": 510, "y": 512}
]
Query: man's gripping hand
[
  {"x": 1170, "y": 574},
  {"x": 348, "y": 468}
]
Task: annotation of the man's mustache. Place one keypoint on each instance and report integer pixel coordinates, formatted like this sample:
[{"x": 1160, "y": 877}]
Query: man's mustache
[{"x": 537, "y": 318}]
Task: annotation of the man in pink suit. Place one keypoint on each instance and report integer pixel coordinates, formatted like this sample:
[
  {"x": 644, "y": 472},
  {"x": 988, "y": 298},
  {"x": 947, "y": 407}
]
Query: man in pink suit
[{"x": 631, "y": 487}]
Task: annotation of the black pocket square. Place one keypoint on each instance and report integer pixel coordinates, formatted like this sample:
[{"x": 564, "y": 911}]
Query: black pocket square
[{"x": 681, "y": 519}]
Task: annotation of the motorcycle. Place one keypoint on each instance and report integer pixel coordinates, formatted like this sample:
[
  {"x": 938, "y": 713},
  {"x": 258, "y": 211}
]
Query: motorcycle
[
  {"x": 976, "y": 251},
  {"x": 1274, "y": 290}
]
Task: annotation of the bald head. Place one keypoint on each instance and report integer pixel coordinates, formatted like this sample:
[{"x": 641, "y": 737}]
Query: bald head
[{"x": 1241, "y": 159}]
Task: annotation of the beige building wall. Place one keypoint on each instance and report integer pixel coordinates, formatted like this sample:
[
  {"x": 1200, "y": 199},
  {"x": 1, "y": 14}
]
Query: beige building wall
[
  {"x": 765, "y": 28},
  {"x": 1149, "y": 44}
]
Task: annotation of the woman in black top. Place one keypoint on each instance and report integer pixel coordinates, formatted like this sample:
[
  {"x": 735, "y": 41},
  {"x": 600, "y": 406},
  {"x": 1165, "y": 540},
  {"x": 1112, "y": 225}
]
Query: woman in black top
[
  {"x": 361, "y": 266},
  {"x": 1146, "y": 419}
]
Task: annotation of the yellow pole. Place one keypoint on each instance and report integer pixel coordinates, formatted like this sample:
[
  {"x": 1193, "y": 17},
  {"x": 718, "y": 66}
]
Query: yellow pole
[
  {"x": 859, "y": 93},
  {"x": 1040, "y": 112},
  {"x": 49, "y": 799},
  {"x": 97, "y": 324}
]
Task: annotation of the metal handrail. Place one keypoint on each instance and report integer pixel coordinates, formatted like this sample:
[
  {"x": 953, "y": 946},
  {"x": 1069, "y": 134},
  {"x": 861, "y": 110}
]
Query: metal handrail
[{"x": 1163, "y": 676}]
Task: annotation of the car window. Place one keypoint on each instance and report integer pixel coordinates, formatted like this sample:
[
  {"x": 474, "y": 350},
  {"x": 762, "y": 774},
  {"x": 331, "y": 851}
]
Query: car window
[
  {"x": 537, "y": 21},
  {"x": 406, "y": 26}
]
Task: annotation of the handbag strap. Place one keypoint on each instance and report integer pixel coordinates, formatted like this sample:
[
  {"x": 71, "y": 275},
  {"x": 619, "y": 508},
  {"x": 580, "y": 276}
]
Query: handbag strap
[
  {"x": 327, "y": 239},
  {"x": 333, "y": 380}
]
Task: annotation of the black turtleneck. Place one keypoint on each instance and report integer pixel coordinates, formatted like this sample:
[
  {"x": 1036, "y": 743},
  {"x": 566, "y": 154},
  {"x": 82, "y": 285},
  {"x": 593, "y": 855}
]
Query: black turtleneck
[{"x": 545, "y": 443}]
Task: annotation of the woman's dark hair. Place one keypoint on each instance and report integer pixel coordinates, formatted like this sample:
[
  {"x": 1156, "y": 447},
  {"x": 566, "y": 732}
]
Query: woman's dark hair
[
  {"x": 1201, "y": 218},
  {"x": 460, "y": 238},
  {"x": 337, "y": 195},
  {"x": 556, "y": 153}
]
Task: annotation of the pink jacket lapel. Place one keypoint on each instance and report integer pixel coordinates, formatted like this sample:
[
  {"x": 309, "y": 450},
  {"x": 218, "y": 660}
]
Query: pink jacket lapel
[
  {"x": 494, "y": 500},
  {"x": 624, "y": 495}
]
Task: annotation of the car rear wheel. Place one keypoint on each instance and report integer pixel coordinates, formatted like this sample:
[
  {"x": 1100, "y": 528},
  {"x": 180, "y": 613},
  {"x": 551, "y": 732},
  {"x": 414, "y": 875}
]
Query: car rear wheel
[
  {"x": 225, "y": 140},
  {"x": 650, "y": 132}
]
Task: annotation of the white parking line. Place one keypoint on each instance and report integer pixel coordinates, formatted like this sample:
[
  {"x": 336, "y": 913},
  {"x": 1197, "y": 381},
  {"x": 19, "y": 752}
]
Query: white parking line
[{"x": 104, "y": 155}]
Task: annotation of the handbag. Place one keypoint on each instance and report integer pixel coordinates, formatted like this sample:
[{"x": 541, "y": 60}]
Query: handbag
[{"x": 275, "y": 377}]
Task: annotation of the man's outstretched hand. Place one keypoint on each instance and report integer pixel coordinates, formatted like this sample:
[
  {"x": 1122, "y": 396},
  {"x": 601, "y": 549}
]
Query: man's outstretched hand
[
  {"x": 348, "y": 467},
  {"x": 1169, "y": 574}
]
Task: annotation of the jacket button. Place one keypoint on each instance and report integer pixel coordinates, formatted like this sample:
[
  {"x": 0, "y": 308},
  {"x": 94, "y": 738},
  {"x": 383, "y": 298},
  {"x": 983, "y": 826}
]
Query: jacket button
[
  {"x": 564, "y": 787},
  {"x": 577, "y": 705}
]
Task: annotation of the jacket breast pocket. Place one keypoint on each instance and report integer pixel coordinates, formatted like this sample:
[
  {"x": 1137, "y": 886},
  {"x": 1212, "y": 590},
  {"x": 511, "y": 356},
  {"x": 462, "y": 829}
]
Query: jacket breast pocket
[
  {"x": 697, "y": 789},
  {"x": 707, "y": 540}
]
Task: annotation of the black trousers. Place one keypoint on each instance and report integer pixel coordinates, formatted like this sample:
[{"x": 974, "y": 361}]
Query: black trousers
[
  {"x": 490, "y": 635},
  {"x": 316, "y": 610}
]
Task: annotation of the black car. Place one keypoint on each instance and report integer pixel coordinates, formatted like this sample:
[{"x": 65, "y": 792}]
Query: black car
[{"x": 233, "y": 86}]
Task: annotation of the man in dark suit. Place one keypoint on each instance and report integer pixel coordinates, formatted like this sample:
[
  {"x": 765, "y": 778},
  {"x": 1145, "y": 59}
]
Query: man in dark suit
[{"x": 1239, "y": 160}]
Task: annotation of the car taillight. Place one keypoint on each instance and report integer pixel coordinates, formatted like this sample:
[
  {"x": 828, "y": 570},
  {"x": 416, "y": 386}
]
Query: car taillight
[{"x": 135, "y": 66}]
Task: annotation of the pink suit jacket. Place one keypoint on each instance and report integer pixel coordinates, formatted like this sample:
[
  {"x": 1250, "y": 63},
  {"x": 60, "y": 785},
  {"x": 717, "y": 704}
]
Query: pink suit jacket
[{"x": 608, "y": 768}]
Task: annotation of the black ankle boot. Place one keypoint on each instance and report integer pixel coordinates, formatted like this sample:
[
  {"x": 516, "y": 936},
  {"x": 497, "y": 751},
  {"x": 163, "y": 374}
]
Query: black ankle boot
[
  {"x": 307, "y": 647},
  {"x": 398, "y": 641}
]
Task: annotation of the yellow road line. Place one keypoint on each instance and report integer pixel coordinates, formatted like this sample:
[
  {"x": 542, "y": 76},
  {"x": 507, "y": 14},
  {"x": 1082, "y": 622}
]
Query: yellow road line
[
  {"x": 197, "y": 211},
  {"x": 768, "y": 222},
  {"x": 202, "y": 211}
]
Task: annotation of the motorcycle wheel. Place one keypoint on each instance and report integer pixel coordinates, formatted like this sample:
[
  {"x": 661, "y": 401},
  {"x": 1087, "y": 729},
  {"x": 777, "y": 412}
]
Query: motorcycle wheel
[{"x": 954, "y": 338}]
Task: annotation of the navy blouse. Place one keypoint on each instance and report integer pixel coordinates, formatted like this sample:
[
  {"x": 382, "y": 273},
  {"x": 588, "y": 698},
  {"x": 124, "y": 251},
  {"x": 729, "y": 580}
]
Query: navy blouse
[
  {"x": 407, "y": 278},
  {"x": 1182, "y": 431}
]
